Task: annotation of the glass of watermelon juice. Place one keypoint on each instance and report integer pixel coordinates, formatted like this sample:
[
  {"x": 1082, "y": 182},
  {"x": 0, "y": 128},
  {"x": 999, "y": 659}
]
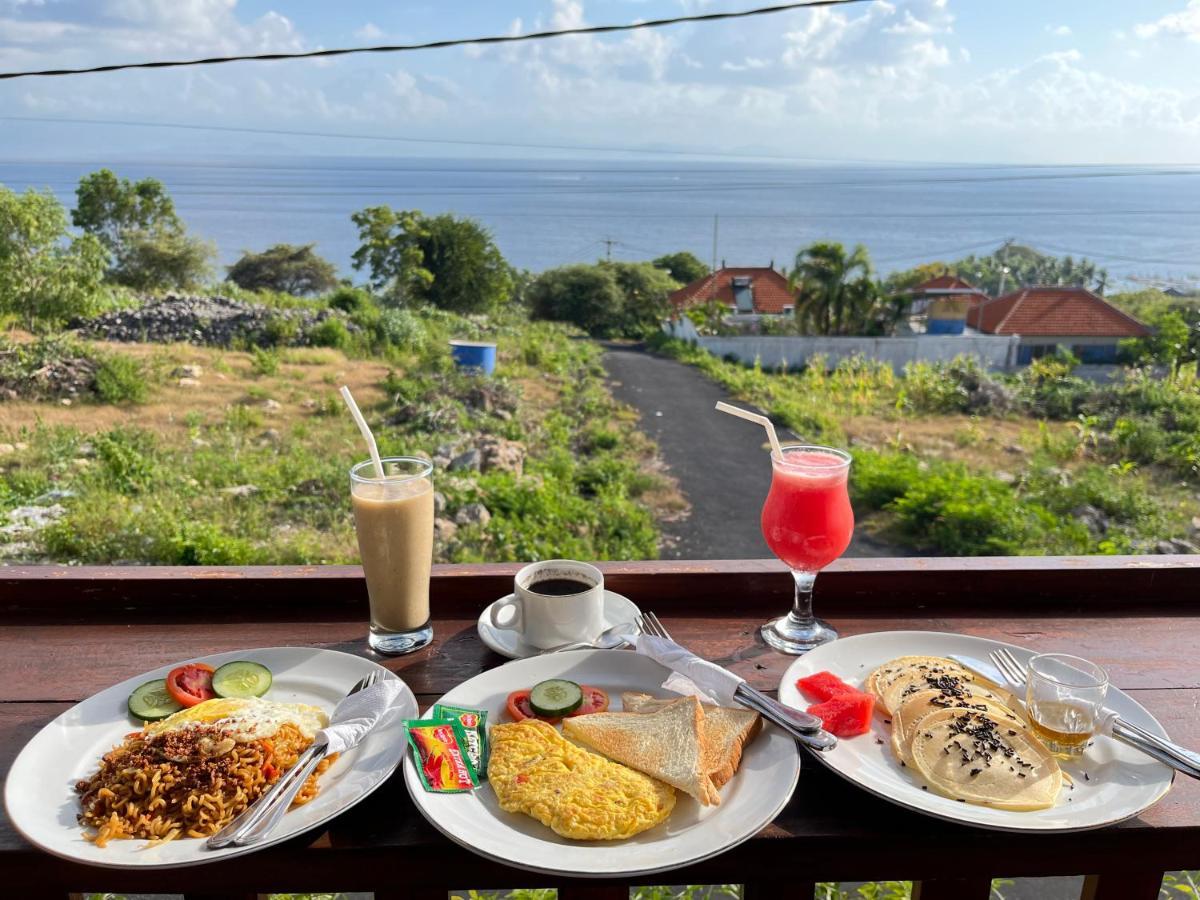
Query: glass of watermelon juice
[{"x": 807, "y": 523}]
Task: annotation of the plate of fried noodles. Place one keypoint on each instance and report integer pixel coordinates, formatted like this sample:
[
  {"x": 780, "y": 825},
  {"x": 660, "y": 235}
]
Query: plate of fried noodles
[{"x": 99, "y": 787}]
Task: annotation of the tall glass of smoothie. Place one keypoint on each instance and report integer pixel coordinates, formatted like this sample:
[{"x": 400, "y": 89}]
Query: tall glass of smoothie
[
  {"x": 394, "y": 520},
  {"x": 807, "y": 522}
]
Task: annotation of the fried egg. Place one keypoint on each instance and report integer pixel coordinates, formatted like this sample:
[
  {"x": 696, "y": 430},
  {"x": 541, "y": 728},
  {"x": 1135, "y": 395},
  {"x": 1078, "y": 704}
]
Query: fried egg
[{"x": 245, "y": 719}]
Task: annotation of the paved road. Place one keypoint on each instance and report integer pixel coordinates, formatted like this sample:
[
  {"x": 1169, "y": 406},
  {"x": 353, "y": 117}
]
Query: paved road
[{"x": 719, "y": 460}]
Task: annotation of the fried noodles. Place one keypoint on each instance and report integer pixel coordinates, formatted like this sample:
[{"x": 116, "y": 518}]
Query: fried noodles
[{"x": 186, "y": 783}]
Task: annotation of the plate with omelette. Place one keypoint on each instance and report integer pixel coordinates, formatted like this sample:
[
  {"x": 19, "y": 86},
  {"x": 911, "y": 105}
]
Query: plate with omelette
[
  {"x": 135, "y": 778},
  {"x": 947, "y": 740},
  {"x": 654, "y": 782}
]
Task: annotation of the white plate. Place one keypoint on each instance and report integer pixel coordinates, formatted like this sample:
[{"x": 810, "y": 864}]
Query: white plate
[
  {"x": 1120, "y": 782},
  {"x": 749, "y": 802},
  {"x": 42, "y": 804},
  {"x": 618, "y": 610}
]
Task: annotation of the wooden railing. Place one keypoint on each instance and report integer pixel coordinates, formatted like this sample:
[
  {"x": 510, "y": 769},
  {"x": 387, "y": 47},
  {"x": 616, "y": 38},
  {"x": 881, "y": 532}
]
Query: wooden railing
[{"x": 69, "y": 632}]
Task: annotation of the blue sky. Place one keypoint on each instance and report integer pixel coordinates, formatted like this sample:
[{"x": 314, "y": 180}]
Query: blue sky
[{"x": 924, "y": 80}]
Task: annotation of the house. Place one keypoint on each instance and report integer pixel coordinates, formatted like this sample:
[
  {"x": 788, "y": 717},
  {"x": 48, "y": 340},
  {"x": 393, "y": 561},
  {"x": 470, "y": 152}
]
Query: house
[
  {"x": 1047, "y": 318},
  {"x": 944, "y": 302},
  {"x": 753, "y": 290}
]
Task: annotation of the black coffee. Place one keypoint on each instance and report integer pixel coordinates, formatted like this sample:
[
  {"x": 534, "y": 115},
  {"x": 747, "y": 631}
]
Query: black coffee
[{"x": 559, "y": 587}]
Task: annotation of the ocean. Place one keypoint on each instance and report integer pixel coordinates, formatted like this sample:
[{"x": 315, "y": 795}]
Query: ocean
[{"x": 1142, "y": 224}]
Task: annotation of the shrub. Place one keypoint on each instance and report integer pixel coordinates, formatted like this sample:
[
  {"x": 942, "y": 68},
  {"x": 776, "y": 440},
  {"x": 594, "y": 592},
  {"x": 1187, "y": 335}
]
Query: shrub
[
  {"x": 349, "y": 299},
  {"x": 120, "y": 379},
  {"x": 877, "y": 479},
  {"x": 289, "y": 268},
  {"x": 330, "y": 333},
  {"x": 400, "y": 328},
  {"x": 264, "y": 362}
]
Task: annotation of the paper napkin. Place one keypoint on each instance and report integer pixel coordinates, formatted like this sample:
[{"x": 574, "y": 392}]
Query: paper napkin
[
  {"x": 689, "y": 673},
  {"x": 357, "y": 714}
]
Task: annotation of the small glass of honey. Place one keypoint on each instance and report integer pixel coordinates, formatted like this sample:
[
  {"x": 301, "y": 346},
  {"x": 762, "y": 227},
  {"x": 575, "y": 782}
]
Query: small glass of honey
[{"x": 1065, "y": 698}]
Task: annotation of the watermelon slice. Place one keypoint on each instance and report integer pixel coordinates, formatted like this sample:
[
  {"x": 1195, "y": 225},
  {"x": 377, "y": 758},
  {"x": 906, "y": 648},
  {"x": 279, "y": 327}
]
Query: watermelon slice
[
  {"x": 823, "y": 686},
  {"x": 846, "y": 714}
]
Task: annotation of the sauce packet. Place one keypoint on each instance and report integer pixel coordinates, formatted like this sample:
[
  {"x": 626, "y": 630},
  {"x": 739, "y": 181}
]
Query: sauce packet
[
  {"x": 474, "y": 725},
  {"x": 439, "y": 752}
]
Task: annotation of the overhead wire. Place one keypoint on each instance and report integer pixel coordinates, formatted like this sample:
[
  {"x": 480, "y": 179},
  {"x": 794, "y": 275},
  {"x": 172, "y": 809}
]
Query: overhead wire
[{"x": 435, "y": 45}]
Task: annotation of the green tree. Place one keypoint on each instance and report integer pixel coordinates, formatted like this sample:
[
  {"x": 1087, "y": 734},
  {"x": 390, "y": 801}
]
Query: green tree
[
  {"x": 683, "y": 266},
  {"x": 136, "y": 222},
  {"x": 835, "y": 291},
  {"x": 450, "y": 262},
  {"x": 46, "y": 276},
  {"x": 289, "y": 268},
  {"x": 586, "y": 295},
  {"x": 1014, "y": 266},
  {"x": 608, "y": 299},
  {"x": 906, "y": 279},
  {"x": 469, "y": 272}
]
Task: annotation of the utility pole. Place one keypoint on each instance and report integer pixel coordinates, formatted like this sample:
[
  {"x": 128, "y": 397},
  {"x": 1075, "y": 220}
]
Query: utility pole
[
  {"x": 713, "y": 277},
  {"x": 608, "y": 245},
  {"x": 1004, "y": 265}
]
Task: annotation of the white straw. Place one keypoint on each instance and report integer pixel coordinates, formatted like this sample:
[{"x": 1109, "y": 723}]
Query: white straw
[
  {"x": 754, "y": 417},
  {"x": 366, "y": 431}
]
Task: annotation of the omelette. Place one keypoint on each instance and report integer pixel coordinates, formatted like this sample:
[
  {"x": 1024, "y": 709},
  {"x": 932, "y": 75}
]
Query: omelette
[{"x": 578, "y": 794}]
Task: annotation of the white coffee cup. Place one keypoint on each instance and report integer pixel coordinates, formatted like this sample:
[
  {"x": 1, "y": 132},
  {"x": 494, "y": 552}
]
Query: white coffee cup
[{"x": 548, "y": 619}]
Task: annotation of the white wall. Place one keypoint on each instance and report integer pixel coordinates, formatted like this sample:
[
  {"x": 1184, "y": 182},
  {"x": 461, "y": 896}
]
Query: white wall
[{"x": 994, "y": 351}]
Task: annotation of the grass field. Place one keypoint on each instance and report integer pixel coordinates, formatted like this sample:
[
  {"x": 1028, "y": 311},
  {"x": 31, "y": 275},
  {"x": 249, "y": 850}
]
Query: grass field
[{"x": 241, "y": 457}]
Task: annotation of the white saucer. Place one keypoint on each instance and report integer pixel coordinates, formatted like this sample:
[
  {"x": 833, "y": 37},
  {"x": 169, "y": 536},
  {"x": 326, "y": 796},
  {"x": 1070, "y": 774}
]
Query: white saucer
[{"x": 617, "y": 609}]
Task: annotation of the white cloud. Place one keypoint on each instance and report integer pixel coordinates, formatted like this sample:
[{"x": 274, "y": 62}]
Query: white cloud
[
  {"x": 369, "y": 32},
  {"x": 748, "y": 64},
  {"x": 1059, "y": 30},
  {"x": 1185, "y": 23}
]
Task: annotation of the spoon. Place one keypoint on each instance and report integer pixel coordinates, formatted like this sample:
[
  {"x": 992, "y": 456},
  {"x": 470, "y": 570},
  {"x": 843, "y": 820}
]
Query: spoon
[{"x": 608, "y": 639}]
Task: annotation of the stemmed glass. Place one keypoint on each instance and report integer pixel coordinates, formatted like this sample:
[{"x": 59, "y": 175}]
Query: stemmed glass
[{"x": 807, "y": 522}]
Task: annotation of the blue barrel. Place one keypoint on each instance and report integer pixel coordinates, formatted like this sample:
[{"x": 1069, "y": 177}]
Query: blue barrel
[
  {"x": 945, "y": 326},
  {"x": 477, "y": 356}
]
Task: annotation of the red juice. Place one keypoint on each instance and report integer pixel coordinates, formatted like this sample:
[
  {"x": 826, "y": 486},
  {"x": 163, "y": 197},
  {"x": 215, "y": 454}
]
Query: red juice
[{"x": 806, "y": 519}]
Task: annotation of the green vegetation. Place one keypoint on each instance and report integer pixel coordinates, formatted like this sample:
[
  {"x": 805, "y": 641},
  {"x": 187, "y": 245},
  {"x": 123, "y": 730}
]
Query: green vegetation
[
  {"x": 448, "y": 262},
  {"x": 47, "y": 276},
  {"x": 288, "y": 268},
  {"x": 608, "y": 299},
  {"x": 684, "y": 267},
  {"x": 136, "y": 222},
  {"x": 836, "y": 294},
  {"x": 242, "y": 481},
  {"x": 1010, "y": 267},
  {"x": 120, "y": 379},
  {"x": 1093, "y": 468}
]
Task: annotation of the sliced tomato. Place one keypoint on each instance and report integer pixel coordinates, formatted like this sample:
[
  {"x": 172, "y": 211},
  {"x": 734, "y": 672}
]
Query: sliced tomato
[
  {"x": 191, "y": 684},
  {"x": 594, "y": 700},
  {"x": 519, "y": 708}
]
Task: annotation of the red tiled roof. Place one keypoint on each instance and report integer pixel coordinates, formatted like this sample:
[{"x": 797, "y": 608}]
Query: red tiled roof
[
  {"x": 1054, "y": 312},
  {"x": 946, "y": 283},
  {"x": 769, "y": 287}
]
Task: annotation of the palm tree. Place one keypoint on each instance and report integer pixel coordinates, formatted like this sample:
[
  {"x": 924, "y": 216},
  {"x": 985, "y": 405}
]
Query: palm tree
[{"x": 835, "y": 293}]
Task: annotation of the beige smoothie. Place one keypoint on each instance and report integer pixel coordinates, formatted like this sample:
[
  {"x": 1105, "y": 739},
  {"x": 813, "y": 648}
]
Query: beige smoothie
[{"x": 394, "y": 520}]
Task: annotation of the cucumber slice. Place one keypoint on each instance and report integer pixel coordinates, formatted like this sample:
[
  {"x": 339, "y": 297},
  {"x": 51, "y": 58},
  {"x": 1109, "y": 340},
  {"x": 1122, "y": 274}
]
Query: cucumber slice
[
  {"x": 152, "y": 701},
  {"x": 555, "y": 697},
  {"x": 241, "y": 678}
]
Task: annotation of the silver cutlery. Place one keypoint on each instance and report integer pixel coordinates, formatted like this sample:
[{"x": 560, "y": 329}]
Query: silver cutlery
[
  {"x": 1179, "y": 758},
  {"x": 609, "y": 639},
  {"x": 804, "y": 727},
  {"x": 257, "y": 820}
]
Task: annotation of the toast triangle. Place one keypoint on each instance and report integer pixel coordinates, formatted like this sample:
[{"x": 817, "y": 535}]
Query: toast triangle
[
  {"x": 668, "y": 744},
  {"x": 727, "y": 730}
]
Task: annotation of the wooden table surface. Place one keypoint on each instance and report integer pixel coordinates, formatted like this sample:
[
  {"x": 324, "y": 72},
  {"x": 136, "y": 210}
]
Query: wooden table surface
[{"x": 70, "y": 632}]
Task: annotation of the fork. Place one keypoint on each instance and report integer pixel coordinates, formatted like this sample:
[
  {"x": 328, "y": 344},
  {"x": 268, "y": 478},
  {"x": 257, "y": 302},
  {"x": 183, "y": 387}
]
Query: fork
[
  {"x": 804, "y": 727},
  {"x": 1168, "y": 752},
  {"x": 256, "y": 820}
]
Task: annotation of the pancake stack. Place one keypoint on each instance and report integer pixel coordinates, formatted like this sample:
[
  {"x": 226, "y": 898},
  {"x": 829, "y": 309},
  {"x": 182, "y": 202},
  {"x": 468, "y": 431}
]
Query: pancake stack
[{"x": 963, "y": 735}]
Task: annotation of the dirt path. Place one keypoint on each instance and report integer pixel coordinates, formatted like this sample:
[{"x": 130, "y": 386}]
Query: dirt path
[{"x": 719, "y": 460}]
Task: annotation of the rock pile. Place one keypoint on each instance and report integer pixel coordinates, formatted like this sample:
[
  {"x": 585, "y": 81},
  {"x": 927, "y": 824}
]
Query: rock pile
[
  {"x": 65, "y": 378},
  {"x": 216, "y": 321}
]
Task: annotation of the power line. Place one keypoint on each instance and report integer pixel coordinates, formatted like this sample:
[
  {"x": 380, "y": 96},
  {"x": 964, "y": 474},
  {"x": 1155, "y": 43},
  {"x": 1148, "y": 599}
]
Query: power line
[{"x": 436, "y": 45}]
